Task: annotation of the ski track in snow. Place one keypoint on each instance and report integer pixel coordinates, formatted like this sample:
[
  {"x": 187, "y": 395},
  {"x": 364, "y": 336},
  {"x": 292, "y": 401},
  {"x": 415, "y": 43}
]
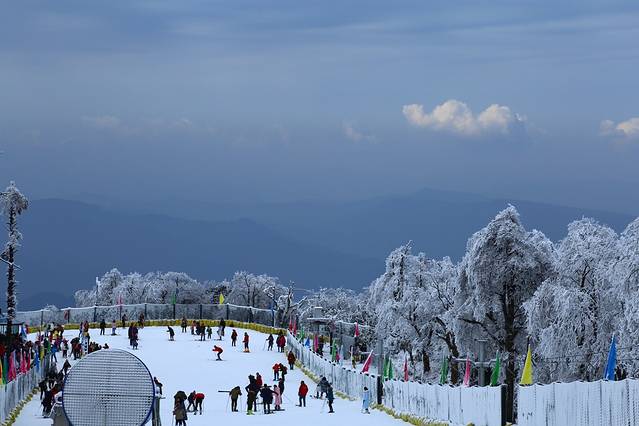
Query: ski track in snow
[{"x": 188, "y": 364}]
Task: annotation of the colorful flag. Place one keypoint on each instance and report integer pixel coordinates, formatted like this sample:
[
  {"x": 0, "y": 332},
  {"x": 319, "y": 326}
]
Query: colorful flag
[
  {"x": 174, "y": 297},
  {"x": 467, "y": 372},
  {"x": 5, "y": 368},
  {"x": 221, "y": 299},
  {"x": 526, "y": 375},
  {"x": 609, "y": 373},
  {"x": 338, "y": 354},
  {"x": 390, "y": 374},
  {"x": 356, "y": 330},
  {"x": 294, "y": 326},
  {"x": 308, "y": 342},
  {"x": 443, "y": 373},
  {"x": 405, "y": 368},
  {"x": 36, "y": 361},
  {"x": 494, "y": 377},
  {"x": 12, "y": 366},
  {"x": 367, "y": 363}
]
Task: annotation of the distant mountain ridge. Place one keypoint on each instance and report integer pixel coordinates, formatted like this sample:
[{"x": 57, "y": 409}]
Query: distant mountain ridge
[{"x": 68, "y": 243}]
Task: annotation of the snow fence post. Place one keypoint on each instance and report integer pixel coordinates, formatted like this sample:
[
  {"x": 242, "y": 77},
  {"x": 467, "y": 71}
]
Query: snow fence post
[
  {"x": 380, "y": 389},
  {"x": 95, "y": 313},
  {"x": 503, "y": 405},
  {"x": 227, "y": 311},
  {"x": 200, "y": 311},
  {"x": 174, "y": 311}
]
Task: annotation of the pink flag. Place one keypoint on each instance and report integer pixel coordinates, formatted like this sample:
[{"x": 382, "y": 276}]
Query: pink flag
[
  {"x": 12, "y": 366},
  {"x": 290, "y": 324},
  {"x": 467, "y": 373},
  {"x": 315, "y": 343},
  {"x": 356, "y": 330},
  {"x": 367, "y": 363},
  {"x": 405, "y": 368},
  {"x": 295, "y": 328}
]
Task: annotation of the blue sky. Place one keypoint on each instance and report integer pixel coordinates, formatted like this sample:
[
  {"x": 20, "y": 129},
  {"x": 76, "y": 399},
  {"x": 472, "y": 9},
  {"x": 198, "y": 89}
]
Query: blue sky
[{"x": 293, "y": 100}]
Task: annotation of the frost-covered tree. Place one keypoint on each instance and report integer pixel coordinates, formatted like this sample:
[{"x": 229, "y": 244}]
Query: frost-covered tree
[
  {"x": 258, "y": 291},
  {"x": 12, "y": 204},
  {"x": 572, "y": 316},
  {"x": 626, "y": 275},
  {"x": 337, "y": 303},
  {"x": 503, "y": 266}
]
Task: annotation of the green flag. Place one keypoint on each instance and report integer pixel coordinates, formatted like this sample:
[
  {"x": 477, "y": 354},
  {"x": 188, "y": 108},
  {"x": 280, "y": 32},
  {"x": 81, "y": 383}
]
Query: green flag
[
  {"x": 390, "y": 369},
  {"x": 443, "y": 374},
  {"x": 494, "y": 378}
]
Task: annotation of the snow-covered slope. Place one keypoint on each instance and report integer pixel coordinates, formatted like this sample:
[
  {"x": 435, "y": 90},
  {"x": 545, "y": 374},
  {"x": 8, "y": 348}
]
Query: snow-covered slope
[{"x": 188, "y": 364}]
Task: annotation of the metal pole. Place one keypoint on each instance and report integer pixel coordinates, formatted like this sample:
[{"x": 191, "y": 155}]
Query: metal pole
[
  {"x": 482, "y": 349},
  {"x": 380, "y": 357}
]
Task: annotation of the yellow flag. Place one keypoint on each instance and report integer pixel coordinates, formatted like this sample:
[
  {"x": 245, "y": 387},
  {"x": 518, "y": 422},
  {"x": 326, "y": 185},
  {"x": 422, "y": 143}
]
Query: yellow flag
[
  {"x": 526, "y": 375},
  {"x": 221, "y": 298}
]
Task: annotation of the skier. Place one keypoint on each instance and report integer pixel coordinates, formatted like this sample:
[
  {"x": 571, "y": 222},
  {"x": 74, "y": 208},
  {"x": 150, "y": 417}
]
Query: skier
[
  {"x": 222, "y": 325},
  {"x": 267, "y": 398},
  {"x": 179, "y": 412},
  {"x": 322, "y": 388},
  {"x": 233, "y": 338},
  {"x": 291, "y": 359},
  {"x": 193, "y": 328},
  {"x": 276, "y": 371},
  {"x": 184, "y": 324},
  {"x": 157, "y": 384},
  {"x": 330, "y": 398},
  {"x": 218, "y": 352},
  {"x": 191, "y": 400},
  {"x": 281, "y": 385},
  {"x": 141, "y": 320},
  {"x": 199, "y": 398},
  {"x": 366, "y": 400},
  {"x": 281, "y": 342},
  {"x": 43, "y": 388},
  {"x": 283, "y": 371},
  {"x": 209, "y": 332},
  {"x": 171, "y": 333},
  {"x": 123, "y": 320},
  {"x": 235, "y": 394},
  {"x": 113, "y": 327},
  {"x": 277, "y": 396},
  {"x": 251, "y": 395},
  {"x": 246, "y": 342},
  {"x": 202, "y": 332},
  {"x": 66, "y": 366},
  {"x": 258, "y": 380},
  {"x": 102, "y": 327},
  {"x": 303, "y": 390},
  {"x": 270, "y": 340}
]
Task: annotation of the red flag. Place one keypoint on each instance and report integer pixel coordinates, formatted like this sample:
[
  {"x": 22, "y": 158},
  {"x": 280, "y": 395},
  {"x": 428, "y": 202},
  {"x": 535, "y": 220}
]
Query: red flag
[
  {"x": 367, "y": 363},
  {"x": 295, "y": 328},
  {"x": 290, "y": 324},
  {"x": 405, "y": 369},
  {"x": 356, "y": 330}
]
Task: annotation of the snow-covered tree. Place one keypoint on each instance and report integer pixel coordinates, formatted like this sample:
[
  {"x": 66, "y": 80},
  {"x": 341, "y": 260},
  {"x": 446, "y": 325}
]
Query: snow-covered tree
[
  {"x": 258, "y": 291},
  {"x": 573, "y": 315},
  {"x": 503, "y": 266},
  {"x": 12, "y": 204}
]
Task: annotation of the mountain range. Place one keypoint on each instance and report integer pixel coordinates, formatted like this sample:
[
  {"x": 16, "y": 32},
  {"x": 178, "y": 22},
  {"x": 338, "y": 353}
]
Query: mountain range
[{"x": 68, "y": 243}]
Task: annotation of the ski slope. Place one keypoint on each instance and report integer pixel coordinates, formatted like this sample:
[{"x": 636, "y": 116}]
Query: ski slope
[{"x": 188, "y": 364}]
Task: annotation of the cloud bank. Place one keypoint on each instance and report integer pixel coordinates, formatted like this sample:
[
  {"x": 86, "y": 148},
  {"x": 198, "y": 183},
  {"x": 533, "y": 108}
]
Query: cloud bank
[
  {"x": 456, "y": 117},
  {"x": 628, "y": 129}
]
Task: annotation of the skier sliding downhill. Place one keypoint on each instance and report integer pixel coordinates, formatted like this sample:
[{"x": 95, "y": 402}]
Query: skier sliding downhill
[{"x": 218, "y": 351}]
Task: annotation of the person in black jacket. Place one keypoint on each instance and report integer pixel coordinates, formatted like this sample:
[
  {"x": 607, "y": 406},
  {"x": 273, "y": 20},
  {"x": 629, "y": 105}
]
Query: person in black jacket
[
  {"x": 267, "y": 398},
  {"x": 102, "y": 327},
  {"x": 330, "y": 398}
]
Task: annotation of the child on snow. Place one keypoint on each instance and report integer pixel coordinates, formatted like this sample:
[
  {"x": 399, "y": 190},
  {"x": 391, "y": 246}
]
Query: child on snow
[{"x": 366, "y": 400}]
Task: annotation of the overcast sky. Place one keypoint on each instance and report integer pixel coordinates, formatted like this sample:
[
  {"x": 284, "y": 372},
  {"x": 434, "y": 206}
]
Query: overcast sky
[{"x": 288, "y": 100}]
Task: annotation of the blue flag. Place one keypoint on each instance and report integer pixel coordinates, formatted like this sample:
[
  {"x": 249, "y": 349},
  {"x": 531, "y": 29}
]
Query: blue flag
[
  {"x": 609, "y": 373},
  {"x": 307, "y": 343},
  {"x": 36, "y": 361}
]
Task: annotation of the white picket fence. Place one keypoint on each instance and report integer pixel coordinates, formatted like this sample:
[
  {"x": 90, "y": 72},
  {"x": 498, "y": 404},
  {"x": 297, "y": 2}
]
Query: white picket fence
[
  {"x": 457, "y": 405},
  {"x": 16, "y": 390},
  {"x": 600, "y": 403}
]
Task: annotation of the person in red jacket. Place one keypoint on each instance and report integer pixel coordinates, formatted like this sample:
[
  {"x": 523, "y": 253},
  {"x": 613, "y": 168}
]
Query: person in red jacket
[
  {"x": 218, "y": 351},
  {"x": 281, "y": 343},
  {"x": 276, "y": 371},
  {"x": 258, "y": 379},
  {"x": 199, "y": 398},
  {"x": 291, "y": 360},
  {"x": 246, "y": 342},
  {"x": 302, "y": 394}
]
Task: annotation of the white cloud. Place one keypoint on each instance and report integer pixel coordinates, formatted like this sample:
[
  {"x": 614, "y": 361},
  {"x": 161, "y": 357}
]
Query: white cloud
[
  {"x": 355, "y": 135},
  {"x": 456, "y": 117},
  {"x": 628, "y": 129}
]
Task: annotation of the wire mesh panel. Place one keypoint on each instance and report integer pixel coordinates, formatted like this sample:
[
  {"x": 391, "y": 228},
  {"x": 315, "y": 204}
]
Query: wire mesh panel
[{"x": 108, "y": 388}]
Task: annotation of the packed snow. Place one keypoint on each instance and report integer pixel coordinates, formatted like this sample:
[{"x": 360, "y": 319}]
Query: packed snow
[{"x": 188, "y": 364}]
